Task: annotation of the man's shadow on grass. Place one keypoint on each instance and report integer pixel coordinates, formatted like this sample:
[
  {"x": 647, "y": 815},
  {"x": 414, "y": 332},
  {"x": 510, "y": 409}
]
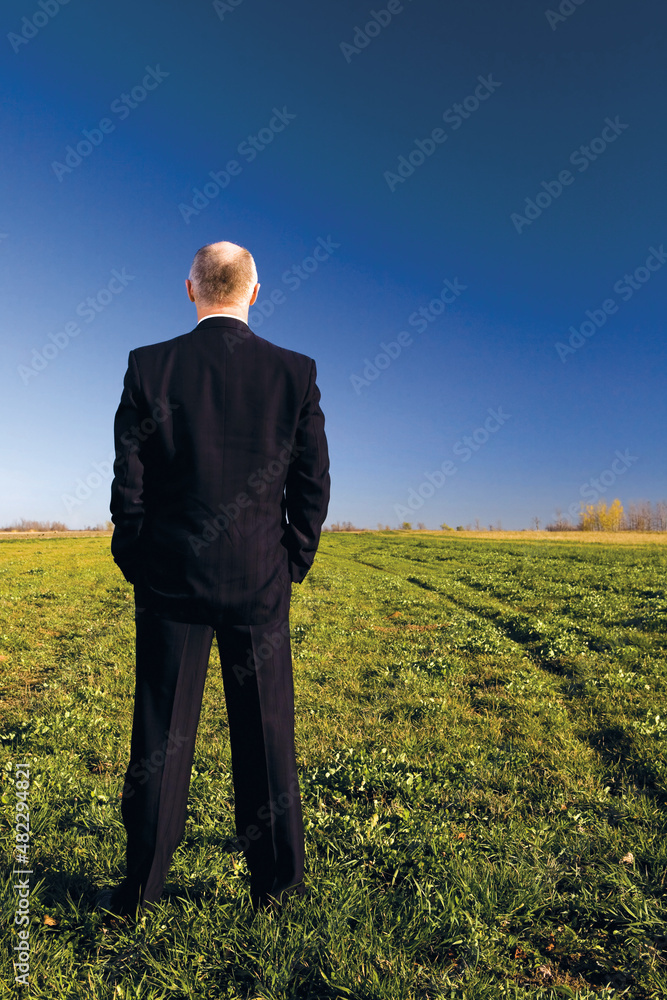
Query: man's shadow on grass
[{"x": 66, "y": 890}]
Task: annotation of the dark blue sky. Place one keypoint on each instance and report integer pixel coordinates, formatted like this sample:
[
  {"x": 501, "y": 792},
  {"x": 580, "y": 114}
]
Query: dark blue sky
[{"x": 480, "y": 106}]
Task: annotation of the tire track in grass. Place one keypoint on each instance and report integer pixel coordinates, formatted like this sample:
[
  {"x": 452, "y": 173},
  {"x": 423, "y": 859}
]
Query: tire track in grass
[
  {"x": 527, "y": 633},
  {"x": 573, "y": 636},
  {"x": 597, "y": 722}
]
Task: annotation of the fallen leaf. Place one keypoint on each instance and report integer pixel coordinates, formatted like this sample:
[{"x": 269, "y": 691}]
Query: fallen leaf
[
  {"x": 461, "y": 836},
  {"x": 50, "y": 922},
  {"x": 628, "y": 858}
]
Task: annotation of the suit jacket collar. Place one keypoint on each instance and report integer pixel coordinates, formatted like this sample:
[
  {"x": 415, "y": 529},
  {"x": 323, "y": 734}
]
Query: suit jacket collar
[{"x": 210, "y": 322}]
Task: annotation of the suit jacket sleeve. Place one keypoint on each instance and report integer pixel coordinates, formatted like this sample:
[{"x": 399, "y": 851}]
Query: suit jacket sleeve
[
  {"x": 127, "y": 506},
  {"x": 307, "y": 487}
]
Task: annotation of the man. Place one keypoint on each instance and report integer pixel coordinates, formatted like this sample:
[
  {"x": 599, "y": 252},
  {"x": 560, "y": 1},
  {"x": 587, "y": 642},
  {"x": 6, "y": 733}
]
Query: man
[{"x": 221, "y": 486}]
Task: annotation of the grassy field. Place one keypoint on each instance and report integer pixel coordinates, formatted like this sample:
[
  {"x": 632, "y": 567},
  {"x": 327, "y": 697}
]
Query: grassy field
[{"x": 481, "y": 728}]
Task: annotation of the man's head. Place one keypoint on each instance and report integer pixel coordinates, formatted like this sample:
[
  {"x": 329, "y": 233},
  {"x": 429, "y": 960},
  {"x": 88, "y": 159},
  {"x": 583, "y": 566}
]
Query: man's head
[{"x": 223, "y": 278}]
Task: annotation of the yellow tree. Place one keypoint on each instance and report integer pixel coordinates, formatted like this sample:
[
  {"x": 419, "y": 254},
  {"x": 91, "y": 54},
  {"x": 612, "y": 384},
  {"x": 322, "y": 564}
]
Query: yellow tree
[
  {"x": 599, "y": 517},
  {"x": 613, "y": 516}
]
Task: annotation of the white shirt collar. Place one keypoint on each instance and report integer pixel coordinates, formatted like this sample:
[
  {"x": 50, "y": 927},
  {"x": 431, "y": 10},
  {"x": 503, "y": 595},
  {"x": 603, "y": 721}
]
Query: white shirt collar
[{"x": 233, "y": 315}]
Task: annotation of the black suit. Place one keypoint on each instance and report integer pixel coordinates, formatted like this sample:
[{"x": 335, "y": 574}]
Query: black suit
[{"x": 221, "y": 486}]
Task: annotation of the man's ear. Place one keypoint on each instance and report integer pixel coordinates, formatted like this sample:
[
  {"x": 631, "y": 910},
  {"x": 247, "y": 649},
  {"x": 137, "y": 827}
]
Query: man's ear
[
  {"x": 188, "y": 286},
  {"x": 254, "y": 294}
]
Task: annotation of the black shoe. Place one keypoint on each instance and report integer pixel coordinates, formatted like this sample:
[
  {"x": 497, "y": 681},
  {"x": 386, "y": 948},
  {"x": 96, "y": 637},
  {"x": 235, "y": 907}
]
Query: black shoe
[
  {"x": 260, "y": 904},
  {"x": 107, "y": 901},
  {"x": 274, "y": 902}
]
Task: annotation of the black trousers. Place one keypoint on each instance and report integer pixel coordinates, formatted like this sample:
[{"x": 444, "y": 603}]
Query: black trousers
[{"x": 171, "y": 663}]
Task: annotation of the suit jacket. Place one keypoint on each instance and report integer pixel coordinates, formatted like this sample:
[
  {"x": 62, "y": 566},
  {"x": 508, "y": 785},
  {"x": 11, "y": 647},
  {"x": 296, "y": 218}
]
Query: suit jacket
[{"x": 221, "y": 478}]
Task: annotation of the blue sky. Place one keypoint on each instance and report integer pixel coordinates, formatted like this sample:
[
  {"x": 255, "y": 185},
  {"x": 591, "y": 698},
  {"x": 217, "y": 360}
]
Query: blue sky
[{"x": 485, "y": 182}]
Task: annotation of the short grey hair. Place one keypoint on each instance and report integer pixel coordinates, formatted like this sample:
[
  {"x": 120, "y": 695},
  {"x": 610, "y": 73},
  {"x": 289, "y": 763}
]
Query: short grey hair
[{"x": 223, "y": 272}]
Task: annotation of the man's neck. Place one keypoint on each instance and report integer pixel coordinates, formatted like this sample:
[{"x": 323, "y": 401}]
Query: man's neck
[{"x": 232, "y": 310}]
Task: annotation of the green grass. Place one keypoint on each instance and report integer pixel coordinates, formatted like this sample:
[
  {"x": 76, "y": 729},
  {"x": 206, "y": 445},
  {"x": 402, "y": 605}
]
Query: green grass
[{"x": 480, "y": 730}]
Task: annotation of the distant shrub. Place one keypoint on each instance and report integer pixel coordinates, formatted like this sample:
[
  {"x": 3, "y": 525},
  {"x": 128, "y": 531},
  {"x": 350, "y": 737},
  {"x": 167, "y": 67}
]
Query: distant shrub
[
  {"x": 641, "y": 515},
  {"x": 25, "y": 525},
  {"x": 562, "y": 524}
]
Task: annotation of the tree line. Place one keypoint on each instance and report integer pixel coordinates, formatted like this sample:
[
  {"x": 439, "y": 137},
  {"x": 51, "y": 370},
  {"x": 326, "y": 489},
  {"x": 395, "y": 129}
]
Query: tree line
[{"x": 641, "y": 515}]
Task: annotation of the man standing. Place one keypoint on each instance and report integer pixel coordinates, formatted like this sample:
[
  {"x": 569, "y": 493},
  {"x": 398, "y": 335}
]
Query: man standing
[{"x": 219, "y": 441}]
